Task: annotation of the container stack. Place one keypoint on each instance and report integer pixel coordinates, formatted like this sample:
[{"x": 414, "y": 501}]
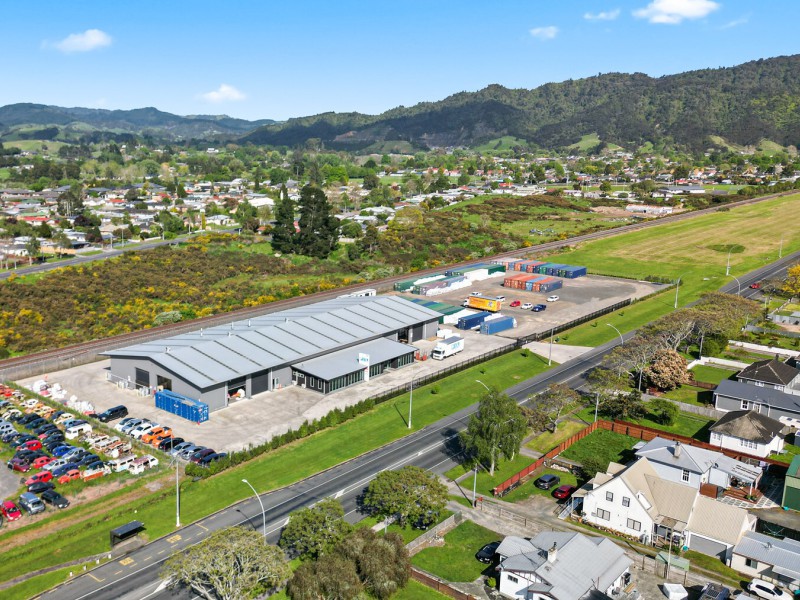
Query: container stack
[
  {"x": 472, "y": 321},
  {"x": 497, "y": 324},
  {"x": 177, "y": 404}
]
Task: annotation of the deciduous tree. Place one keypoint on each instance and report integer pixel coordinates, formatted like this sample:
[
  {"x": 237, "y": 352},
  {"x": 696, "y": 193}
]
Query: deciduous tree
[
  {"x": 495, "y": 430},
  {"x": 410, "y": 494},
  {"x": 664, "y": 411},
  {"x": 667, "y": 371},
  {"x": 332, "y": 577},
  {"x": 623, "y": 406},
  {"x": 792, "y": 283},
  {"x": 231, "y": 564},
  {"x": 382, "y": 561},
  {"x": 312, "y": 531}
]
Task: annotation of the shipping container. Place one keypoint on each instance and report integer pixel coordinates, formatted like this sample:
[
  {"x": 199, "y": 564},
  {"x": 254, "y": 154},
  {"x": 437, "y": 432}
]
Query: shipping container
[
  {"x": 572, "y": 272},
  {"x": 532, "y": 266},
  {"x": 547, "y": 285},
  {"x": 481, "y": 303},
  {"x": 472, "y": 321},
  {"x": 497, "y": 325},
  {"x": 529, "y": 285},
  {"x": 183, "y": 406},
  {"x": 518, "y": 282},
  {"x": 542, "y": 268},
  {"x": 552, "y": 269}
]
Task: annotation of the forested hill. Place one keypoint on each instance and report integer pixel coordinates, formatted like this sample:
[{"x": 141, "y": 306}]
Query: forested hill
[{"x": 743, "y": 104}]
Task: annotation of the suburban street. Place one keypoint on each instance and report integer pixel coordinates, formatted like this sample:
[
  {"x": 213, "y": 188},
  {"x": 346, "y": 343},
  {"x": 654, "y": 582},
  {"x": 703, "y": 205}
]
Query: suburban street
[{"x": 136, "y": 575}]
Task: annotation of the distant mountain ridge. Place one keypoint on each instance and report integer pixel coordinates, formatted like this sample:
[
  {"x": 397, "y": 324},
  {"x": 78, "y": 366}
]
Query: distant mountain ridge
[
  {"x": 148, "y": 120},
  {"x": 743, "y": 105}
]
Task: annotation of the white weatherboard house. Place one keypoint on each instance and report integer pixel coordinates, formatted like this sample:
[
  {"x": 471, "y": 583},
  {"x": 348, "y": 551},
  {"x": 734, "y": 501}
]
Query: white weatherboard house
[
  {"x": 748, "y": 432},
  {"x": 693, "y": 466},
  {"x": 558, "y": 565},
  {"x": 764, "y": 557},
  {"x": 637, "y": 502}
]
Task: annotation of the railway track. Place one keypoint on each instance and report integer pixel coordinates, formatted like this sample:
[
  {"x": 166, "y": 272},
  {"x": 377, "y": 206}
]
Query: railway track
[{"x": 67, "y": 355}]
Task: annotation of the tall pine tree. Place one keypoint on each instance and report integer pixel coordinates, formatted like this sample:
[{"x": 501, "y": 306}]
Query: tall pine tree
[
  {"x": 283, "y": 234},
  {"x": 319, "y": 229}
]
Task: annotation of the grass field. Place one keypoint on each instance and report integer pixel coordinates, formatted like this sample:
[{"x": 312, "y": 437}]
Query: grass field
[
  {"x": 546, "y": 441},
  {"x": 455, "y": 561},
  {"x": 408, "y": 533},
  {"x": 416, "y": 591},
  {"x": 708, "y": 374},
  {"x": 502, "y": 143},
  {"x": 273, "y": 470},
  {"x": 690, "y": 394},
  {"x": 602, "y": 444},
  {"x": 687, "y": 424}
]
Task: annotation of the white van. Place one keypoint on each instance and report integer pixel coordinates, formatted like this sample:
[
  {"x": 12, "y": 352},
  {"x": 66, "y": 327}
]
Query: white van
[
  {"x": 123, "y": 463},
  {"x": 77, "y": 430}
]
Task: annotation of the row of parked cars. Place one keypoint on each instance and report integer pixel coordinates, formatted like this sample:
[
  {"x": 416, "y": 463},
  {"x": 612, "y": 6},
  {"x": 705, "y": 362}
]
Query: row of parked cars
[{"x": 162, "y": 437}]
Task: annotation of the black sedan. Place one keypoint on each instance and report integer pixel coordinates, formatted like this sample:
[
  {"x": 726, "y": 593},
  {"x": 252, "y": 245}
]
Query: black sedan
[
  {"x": 486, "y": 554},
  {"x": 545, "y": 482}
]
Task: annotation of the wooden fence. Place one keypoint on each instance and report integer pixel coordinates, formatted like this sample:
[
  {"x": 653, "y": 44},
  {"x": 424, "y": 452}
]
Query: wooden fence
[
  {"x": 634, "y": 430},
  {"x": 439, "y": 585}
]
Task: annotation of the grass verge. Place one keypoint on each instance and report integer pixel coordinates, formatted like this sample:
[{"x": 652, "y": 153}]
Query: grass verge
[
  {"x": 455, "y": 561},
  {"x": 546, "y": 441}
]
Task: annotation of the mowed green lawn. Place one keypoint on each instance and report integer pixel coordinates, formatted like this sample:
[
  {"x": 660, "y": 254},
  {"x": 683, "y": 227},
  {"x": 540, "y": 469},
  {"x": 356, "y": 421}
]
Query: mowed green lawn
[
  {"x": 455, "y": 561},
  {"x": 602, "y": 444},
  {"x": 684, "y": 250},
  {"x": 273, "y": 470}
]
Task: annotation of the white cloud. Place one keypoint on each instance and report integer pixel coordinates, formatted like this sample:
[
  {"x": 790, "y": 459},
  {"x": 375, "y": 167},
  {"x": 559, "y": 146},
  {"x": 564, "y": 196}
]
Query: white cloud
[
  {"x": 224, "y": 93},
  {"x": 606, "y": 15},
  {"x": 545, "y": 33},
  {"x": 91, "y": 39},
  {"x": 735, "y": 23},
  {"x": 673, "y": 12}
]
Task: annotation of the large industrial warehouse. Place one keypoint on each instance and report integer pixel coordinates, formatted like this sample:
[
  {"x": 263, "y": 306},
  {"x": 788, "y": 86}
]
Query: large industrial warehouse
[{"x": 324, "y": 346}]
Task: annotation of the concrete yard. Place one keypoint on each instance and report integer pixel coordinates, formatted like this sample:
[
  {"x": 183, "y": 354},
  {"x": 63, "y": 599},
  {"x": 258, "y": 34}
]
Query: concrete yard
[
  {"x": 578, "y": 297},
  {"x": 252, "y": 421}
]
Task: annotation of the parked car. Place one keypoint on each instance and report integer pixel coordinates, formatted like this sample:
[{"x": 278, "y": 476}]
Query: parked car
[
  {"x": 44, "y": 429},
  {"x": 553, "y": 298},
  {"x": 187, "y": 452},
  {"x": 43, "y": 476},
  {"x": 37, "y": 422},
  {"x": 539, "y": 307},
  {"x": 54, "y": 498},
  {"x": 546, "y": 481},
  {"x": 40, "y": 486},
  {"x": 131, "y": 425},
  {"x": 52, "y": 466},
  {"x": 63, "y": 418},
  {"x": 61, "y": 450},
  {"x": 10, "y": 436},
  {"x": 17, "y": 442},
  {"x": 124, "y": 422},
  {"x": 527, "y": 306},
  {"x": 64, "y": 469},
  {"x": 147, "y": 438},
  {"x": 88, "y": 459},
  {"x": 74, "y": 423},
  {"x": 31, "y": 503},
  {"x": 486, "y": 554},
  {"x": 70, "y": 475},
  {"x": 116, "y": 412},
  {"x": 41, "y": 461},
  {"x": 767, "y": 590},
  {"x": 564, "y": 491},
  {"x": 10, "y": 510},
  {"x": 141, "y": 429},
  {"x": 201, "y": 454},
  {"x": 18, "y": 464},
  {"x": 32, "y": 445},
  {"x": 214, "y": 457},
  {"x": 515, "y": 303},
  {"x": 167, "y": 444},
  {"x": 180, "y": 447}
]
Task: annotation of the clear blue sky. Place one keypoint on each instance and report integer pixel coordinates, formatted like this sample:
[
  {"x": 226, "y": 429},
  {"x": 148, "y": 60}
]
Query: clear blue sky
[{"x": 268, "y": 59}]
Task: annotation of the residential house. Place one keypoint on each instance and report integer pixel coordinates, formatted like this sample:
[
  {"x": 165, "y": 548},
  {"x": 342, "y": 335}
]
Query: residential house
[
  {"x": 557, "y": 565},
  {"x": 771, "y": 387},
  {"x": 772, "y": 373},
  {"x": 764, "y": 557},
  {"x": 693, "y": 466},
  {"x": 636, "y": 502},
  {"x": 749, "y": 432}
]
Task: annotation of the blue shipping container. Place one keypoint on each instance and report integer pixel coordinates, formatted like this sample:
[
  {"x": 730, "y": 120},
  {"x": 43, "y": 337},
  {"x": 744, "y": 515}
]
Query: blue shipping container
[
  {"x": 498, "y": 325},
  {"x": 183, "y": 406},
  {"x": 573, "y": 272},
  {"x": 471, "y": 321}
]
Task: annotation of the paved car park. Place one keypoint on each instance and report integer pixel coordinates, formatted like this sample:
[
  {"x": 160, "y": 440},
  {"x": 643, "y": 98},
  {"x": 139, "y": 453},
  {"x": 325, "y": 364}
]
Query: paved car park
[
  {"x": 579, "y": 297},
  {"x": 254, "y": 420}
]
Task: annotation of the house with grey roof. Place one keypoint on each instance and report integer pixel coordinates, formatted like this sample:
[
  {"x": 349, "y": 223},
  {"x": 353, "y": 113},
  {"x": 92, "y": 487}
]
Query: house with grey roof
[
  {"x": 749, "y": 432},
  {"x": 737, "y": 395},
  {"x": 694, "y": 466},
  {"x": 772, "y": 373},
  {"x": 324, "y": 346},
  {"x": 559, "y": 565},
  {"x": 635, "y": 501},
  {"x": 772, "y": 559}
]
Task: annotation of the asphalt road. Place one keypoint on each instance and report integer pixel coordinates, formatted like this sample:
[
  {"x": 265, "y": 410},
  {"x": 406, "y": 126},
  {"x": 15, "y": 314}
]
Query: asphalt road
[{"x": 135, "y": 576}]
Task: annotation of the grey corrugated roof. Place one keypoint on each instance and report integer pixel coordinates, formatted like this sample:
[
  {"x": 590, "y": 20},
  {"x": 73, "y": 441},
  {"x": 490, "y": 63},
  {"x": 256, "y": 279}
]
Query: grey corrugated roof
[
  {"x": 771, "y": 371},
  {"x": 753, "y": 393},
  {"x": 345, "y": 361},
  {"x": 692, "y": 458},
  {"x": 214, "y": 355},
  {"x": 784, "y": 553},
  {"x": 748, "y": 425}
]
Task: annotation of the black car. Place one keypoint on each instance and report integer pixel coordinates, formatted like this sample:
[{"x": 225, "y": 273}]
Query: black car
[
  {"x": 63, "y": 469},
  {"x": 18, "y": 441},
  {"x": 10, "y": 436},
  {"x": 51, "y": 443},
  {"x": 486, "y": 554},
  {"x": 25, "y": 419},
  {"x": 545, "y": 482},
  {"x": 54, "y": 436},
  {"x": 116, "y": 412},
  {"x": 38, "y": 422},
  {"x": 88, "y": 459},
  {"x": 54, "y": 498},
  {"x": 45, "y": 428},
  {"x": 40, "y": 486},
  {"x": 168, "y": 444},
  {"x": 207, "y": 460}
]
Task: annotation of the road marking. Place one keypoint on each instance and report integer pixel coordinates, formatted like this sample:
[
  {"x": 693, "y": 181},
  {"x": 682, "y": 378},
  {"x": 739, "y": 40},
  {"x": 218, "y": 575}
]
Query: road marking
[
  {"x": 161, "y": 552},
  {"x": 126, "y": 561},
  {"x": 148, "y": 557},
  {"x": 201, "y": 527},
  {"x": 95, "y": 578},
  {"x": 118, "y": 572},
  {"x": 174, "y": 538},
  {"x": 338, "y": 494}
]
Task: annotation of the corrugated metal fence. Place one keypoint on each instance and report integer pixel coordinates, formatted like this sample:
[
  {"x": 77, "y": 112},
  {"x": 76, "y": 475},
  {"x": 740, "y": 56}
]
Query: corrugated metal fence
[{"x": 435, "y": 532}]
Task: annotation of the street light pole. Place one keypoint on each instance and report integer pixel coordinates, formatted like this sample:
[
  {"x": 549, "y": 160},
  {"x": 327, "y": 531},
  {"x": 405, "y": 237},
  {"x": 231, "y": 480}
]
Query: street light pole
[
  {"x": 621, "y": 339},
  {"x": 728, "y": 267},
  {"x": 411, "y": 398},
  {"x": 596, "y": 404},
  {"x": 550, "y": 353},
  {"x": 484, "y": 385},
  {"x": 738, "y": 283},
  {"x": 677, "y": 287},
  {"x": 474, "y": 485},
  {"x": 263, "y": 512},
  {"x": 177, "y": 495}
]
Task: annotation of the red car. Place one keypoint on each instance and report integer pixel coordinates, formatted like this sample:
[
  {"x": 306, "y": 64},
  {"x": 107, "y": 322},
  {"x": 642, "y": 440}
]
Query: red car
[
  {"x": 515, "y": 303},
  {"x": 42, "y": 461},
  {"x": 43, "y": 476},
  {"x": 32, "y": 445},
  {"x": 10, "y": 510},
  {"x": 563, "y": 492},
  {"x": 17, "y": 464},
  {"x": 70, "y": 475},
  {"x": 755, "y": 286}
]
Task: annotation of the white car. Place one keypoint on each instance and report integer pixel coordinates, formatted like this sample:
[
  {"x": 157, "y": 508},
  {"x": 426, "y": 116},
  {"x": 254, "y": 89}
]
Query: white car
[
  {"x": 764, "y": 589},
  {"x": 553, "y": 298},
  {"x": 526, "y": 306},
  {"x": 500, "y": 298},
  {"x": 138, "y": 431}
]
